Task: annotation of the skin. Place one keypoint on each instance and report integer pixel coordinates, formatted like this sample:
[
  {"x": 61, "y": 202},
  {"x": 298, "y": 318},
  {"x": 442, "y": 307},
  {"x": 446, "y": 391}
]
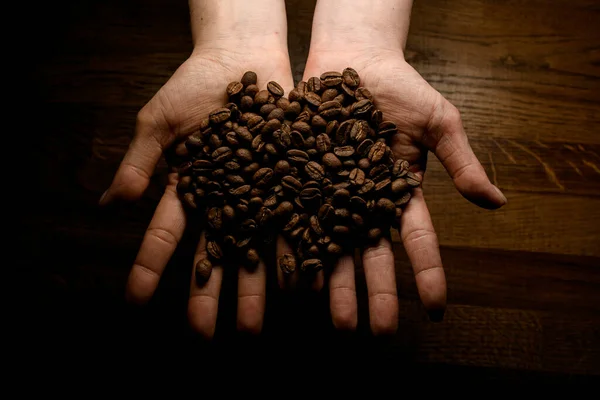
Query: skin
[{"x": 230, "y": 37}]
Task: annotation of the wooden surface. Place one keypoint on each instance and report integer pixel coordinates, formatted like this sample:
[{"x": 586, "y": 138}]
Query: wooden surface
[{"x": 523, "y": 282}]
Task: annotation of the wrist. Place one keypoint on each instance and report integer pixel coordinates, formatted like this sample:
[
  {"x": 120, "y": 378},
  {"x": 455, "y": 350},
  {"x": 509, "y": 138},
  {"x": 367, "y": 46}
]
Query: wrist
[
  {"x": 238, "y": 24},
  {"x": 363, "y": 24}
]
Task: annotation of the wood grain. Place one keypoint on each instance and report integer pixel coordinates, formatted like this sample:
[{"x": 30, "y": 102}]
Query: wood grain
[{"x": 523, "y": 281}]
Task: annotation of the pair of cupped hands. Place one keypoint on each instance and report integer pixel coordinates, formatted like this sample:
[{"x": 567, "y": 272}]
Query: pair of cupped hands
[{"x": 426, "y": 123}]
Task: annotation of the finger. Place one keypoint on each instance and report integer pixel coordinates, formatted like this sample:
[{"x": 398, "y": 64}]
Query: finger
[
  {"x": 342, "y": 294},
  {"x": 318, "y": 281},
  {"x": 133, "y": 176},
  {"x": 204, "y": 301},
  {"x": 378, "y": 263},
  {"x": 284, "y": 251},
  {"x": 251, "y": 298},
  {"x": 159, "y": 243},
  {"x": 421, "y": 244},
  {"x": 447, "y": 139}
]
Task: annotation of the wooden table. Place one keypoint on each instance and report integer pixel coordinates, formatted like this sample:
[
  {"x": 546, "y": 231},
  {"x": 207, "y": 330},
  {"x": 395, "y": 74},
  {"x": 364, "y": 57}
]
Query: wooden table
[{"x": 523, "y": 282}]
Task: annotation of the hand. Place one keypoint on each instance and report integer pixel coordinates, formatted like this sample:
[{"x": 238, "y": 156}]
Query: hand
[
  {"x": 226, "y": 48},
  {"x": 426, "y": 122}
]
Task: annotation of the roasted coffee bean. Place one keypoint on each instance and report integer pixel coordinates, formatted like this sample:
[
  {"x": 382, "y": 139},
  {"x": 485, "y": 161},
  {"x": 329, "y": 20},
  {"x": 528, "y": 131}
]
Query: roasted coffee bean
[
  {"x": 343, "y": 132},
  {"x": 400, "y": 185},
  {"x": 304, "y": 116},
  {"x": 387, "y": 128},
  {"x": 244, "y": 155},
  {"x": 329, "y": 109},
  {"x": 220, "y": 115},
  {"x": 341, "y": 214},
  {"x": 275, "y": 89},
  {"x": 234, "y": 89},
  {"x": 314, "y": 170},
  {"x": 331, "y": 129},
  {"x": 294, "y": 95},
  {"x": 297, "y": 157},
  {"x": 202, "y": 272},
  {"x": 367, "y": 187},
  {"x": 363, "y": 93},
  {"x": 218, "y": 173},
  {"x": 261, "y": 98},
  {"x": 318, "y": 123},
  {"x": 362, "y": 108},
  {"x": 364, "y": 147},
  {"x": 243, "y": 134},
  {"x": 357, "y": 177},
  {"x": 381, "y": 185},
  {"x": 291, "y": 183},
  {"x": 302, "y": 127},
  {"x": 222, "y": 154},
  {"x": 266, "y": 109},
  {"x": 316, "y": 226},
  {"x": 334, "y": 249},
  {"x": 344, "y": 151},
  {"x": 255, "y": 124},
  {"x": 240, "y": 191},
  {"x": 251, "y": 169},
  {"x": 293, "y": 110},
  {"x": 329, "y": 94},
  {"x": 357, "y": 220},
  {"x": 251, "y": 90},
  {"x": 228, "y": 214},
  {"x": 351, "y": 78},
  {"x": 331, "y": 78},
  {"x": 312, "y": 265},
  {"x": 189, "y": 200},
  {"x": 359, "y": 131},
  {"x": 215, "y": 218},
  {"x": 246, "y": 103},
  {"x": 214, "y": 250},
  {"x": 377, "y": 152},
  {"x": 184, "y": 183},
  {"x": 325, "y": 214},
  {"x": 386, "y": 206},
  {"x": 256, "y": 192},
  {"x": 309, "y": 194},
  {"x": 283, "y": 209},
  {"x": 252, "y": 258},
  {"x": 346, "y": 91},
  {"x": 287, "y": 263},
  {"x": 413, "y": 179},
  {"x": 313, "y": 85},
  {"x": 349, "y": 164},
  {"x": 249, "y": 78},
  {"x": 342, "y": 230},
  {"x": 277, "y": 114},
  {"x": 342, "y": 185},
  {"x": 331, "y": 161},
  {"x": 262, "y": 177},
  {"x": 377, "y": 171},
  {"x": 374, "y": 234},
  {"x": 313, "y": 99},
  {"x": 292, "y": 223},
  {"x": 281, "y": 168},
  {"x": 323, "y": 143}
]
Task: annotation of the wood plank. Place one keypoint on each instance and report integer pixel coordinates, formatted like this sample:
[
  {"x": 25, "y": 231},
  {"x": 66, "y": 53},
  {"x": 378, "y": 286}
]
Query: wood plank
[{"x": 516, "y": 70}]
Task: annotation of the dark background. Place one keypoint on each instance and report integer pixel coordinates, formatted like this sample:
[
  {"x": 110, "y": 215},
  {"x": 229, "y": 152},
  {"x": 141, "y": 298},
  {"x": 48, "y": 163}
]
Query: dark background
[{"x": 523, "y": 282}]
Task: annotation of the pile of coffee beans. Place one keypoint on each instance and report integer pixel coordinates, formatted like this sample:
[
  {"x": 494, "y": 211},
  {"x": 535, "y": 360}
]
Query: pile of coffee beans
[{"x": 315, "y": 167}]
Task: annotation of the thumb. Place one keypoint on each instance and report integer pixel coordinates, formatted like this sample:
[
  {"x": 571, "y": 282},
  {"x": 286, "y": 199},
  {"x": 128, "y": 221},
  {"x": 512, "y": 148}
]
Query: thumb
[
  {"x": 133, "y": 176},
  {"x": 446, "y": 138}
]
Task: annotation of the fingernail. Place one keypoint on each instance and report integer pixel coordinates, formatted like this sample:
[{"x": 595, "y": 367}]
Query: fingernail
[
  {"x": 436, "y": 315},
  {"x": 104, "y": 198},
  {"x": 501, "y": 195}
]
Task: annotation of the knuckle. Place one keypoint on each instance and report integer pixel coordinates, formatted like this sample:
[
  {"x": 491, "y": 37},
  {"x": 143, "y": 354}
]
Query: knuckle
[
  {"x": 164, "y": 235},
  {"x": 420, "y": 234}
]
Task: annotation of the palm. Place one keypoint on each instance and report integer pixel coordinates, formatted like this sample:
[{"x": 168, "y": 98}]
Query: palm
[
  {"x": 426, "y": 122},
  {"x": 196, "y": 88}
]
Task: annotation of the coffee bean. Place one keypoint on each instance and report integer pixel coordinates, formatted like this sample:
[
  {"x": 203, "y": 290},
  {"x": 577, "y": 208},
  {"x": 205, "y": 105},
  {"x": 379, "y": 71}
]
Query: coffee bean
[
  {"x": 331, "y": 78},
  {"x": 374, "y": 234},
  {"x": 215, "y": 218},
  {"x": 255, "y": 124},
  {"x": 386, "y": 206},
  {"x": 377, "y": 152},
  {"x": 329, "y": 109},
  {"x": 313, "y": 99},
  {"x": 251, "y": 169},
  {"x": 341, "y": 230},
  {"x": 331, "y": 128},
  {"x": 219, "y": 116},
  {"x": 357, "y": 220},
  {"x": 379, "y": 186},
  {"x": 291, "y": 183},
  {"x": 357, "y": 177},
  {"x": 351, "y": 78},
  {"x": 302, "y": 127},
  {"x": 246, "y": 103},
  {"x": 323, "y": 143},
  {"x": 234, "y": 89},
  {"x": 266, "y": 109},
  {"x": 311, "y": 265},
  {"x": 294, "y": 95},
  {"x": 222, "y": 154},
  {"x": 297, "y": 157},
  {"x": 342, "y": 214},
  {"x": 343, "y": 132},
  {"x": 314, "y": 170},
  {"x": 252, "y": 259},
  {"x": 262, "y": 177},
  {"x": 344, "y": 151},
  {"x": 413, "y": 179},
  {"x": 202, "y": 272},
  {"x": 287, "y": 263},
  {"x": 363, "y": 93},
  {"x": 292, "y": 223},
  {"x": 363, "y": 149},
  {"x": 367, "y": 187},
  {"x": 316, "y": 226},
  {"x": 293, "y": 110},
  {"x": 387, "y": 128},
  {"x": 331, "y": 161},
  {"x": 359, "y": 131},
  {"x": 251, "y": 90},
  {"x": 240, "y": 191},
  {"x": 275, "y": 89},
  {"x": 362, "y": 108},
  {"x": 283, "y": 209},
  {"x": 249, "y": 78},
  {"x": 399, "y": 185},
  {"x": 326, "y": 213},
  {"x": 281, "y": 168},
  {"x": 313, "y": 85},
  {"x": 309, "y": 194},
  {"x": 214, "y": 250},
  {"x": 261, "y": 98},
  {"x": 329, "y": 94}
]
